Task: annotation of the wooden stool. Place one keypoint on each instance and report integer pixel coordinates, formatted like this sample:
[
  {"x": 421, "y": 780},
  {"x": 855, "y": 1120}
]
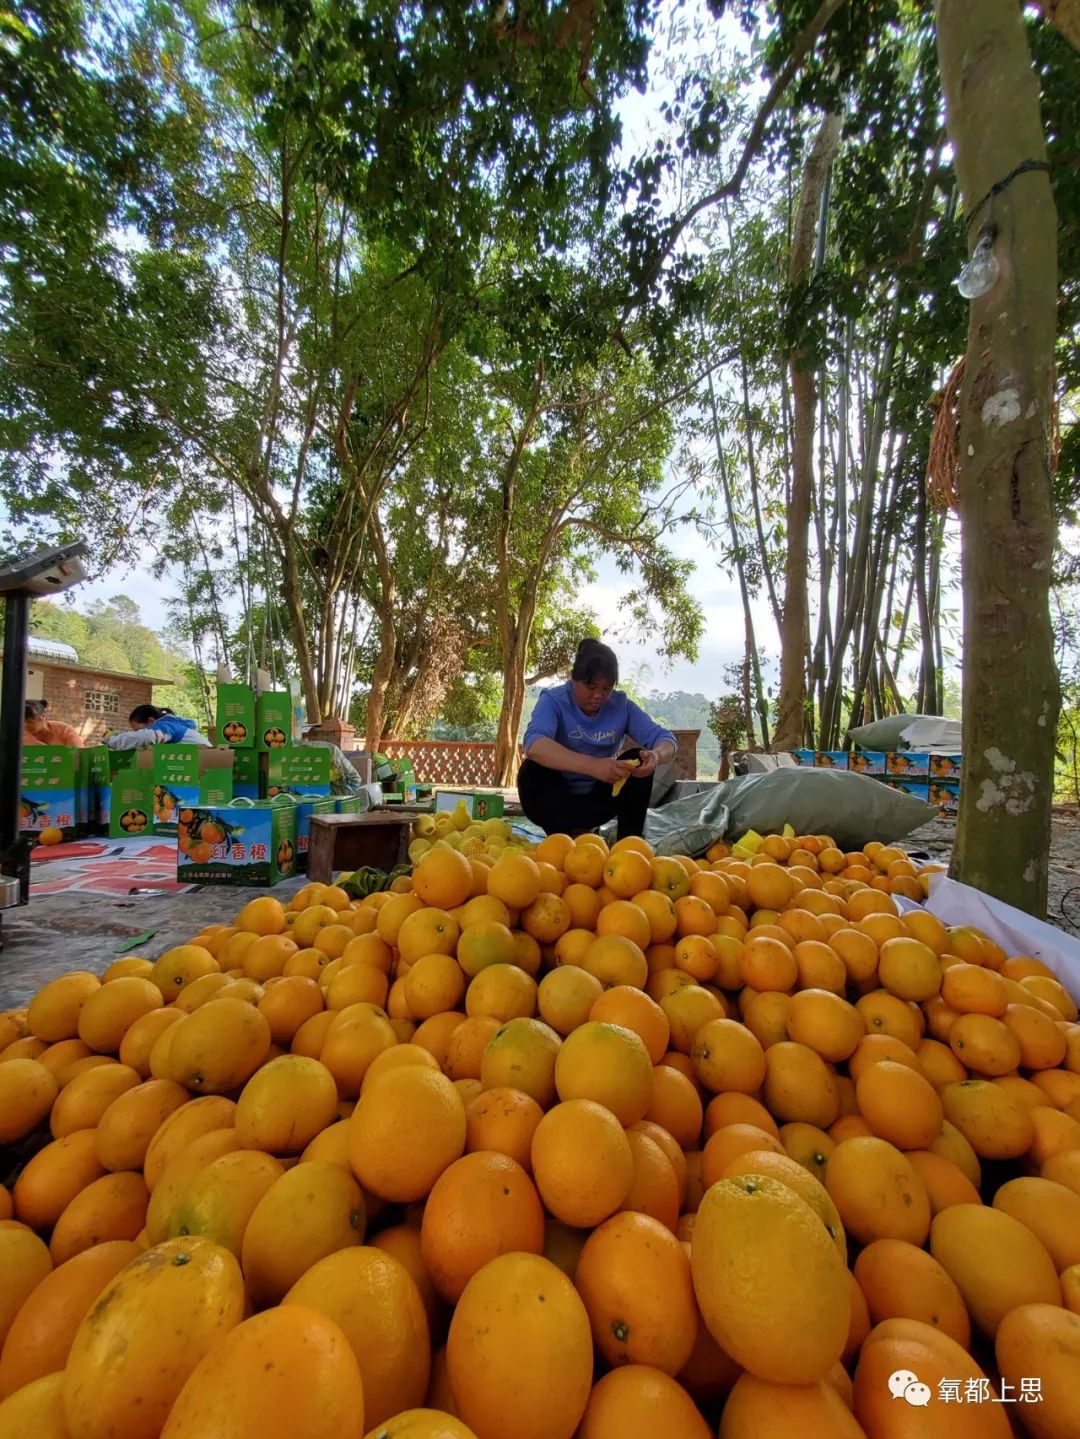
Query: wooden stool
[{"x": 351, "y": 841}]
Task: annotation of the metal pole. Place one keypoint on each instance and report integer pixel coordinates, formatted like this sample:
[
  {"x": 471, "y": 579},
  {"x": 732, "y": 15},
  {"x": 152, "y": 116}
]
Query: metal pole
[{"x": 12, "y": 705}]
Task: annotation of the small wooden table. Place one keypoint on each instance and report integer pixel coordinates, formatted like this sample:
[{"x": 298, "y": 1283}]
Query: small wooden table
[{"x": 379, "y": 838}]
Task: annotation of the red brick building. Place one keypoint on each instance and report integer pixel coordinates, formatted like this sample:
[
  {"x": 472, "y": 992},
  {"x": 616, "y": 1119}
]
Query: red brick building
[{"x": 93, "y": 700}]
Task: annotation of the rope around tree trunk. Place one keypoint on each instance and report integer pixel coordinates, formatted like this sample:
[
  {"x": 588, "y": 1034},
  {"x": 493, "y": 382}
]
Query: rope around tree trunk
[{"x": 943, "y": 462}]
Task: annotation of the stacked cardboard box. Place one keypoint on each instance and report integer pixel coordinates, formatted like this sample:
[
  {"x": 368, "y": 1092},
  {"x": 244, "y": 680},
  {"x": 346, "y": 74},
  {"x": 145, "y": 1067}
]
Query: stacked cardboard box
[
  {"x": 49, "y": 789},
  {"x": 304, "y": 774},
  {"x": 397, "y": 778},
  {"x": 241, "y": 843},
  {"x": 924, "y": 774}
]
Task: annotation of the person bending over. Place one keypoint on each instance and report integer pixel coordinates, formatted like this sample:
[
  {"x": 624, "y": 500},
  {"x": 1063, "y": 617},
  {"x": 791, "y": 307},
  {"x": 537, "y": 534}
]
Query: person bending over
[
  {"x": 37, "y": 729},
  {"x": 150, "y": 725},
  {"x": 574, "y": 756}
]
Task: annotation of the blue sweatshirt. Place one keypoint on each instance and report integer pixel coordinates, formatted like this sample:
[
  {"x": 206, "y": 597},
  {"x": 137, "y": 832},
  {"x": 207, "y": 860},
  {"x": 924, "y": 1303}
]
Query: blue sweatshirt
[
  {"x": 601, "y": 735},
  {"x": 176, "y": 730},
  {"x": 169, "y": 729}
]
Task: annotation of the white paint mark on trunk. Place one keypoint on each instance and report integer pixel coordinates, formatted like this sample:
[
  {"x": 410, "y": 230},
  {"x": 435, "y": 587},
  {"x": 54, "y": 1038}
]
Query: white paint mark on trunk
[
  {"x": 1002, "y": 408},
  {"x": 996, "y": 760},
  {"x": 989, "y": 796},
  {"x": 1012, "y": 791}
]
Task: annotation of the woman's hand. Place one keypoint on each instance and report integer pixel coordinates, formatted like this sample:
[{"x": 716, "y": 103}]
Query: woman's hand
[
  {"x": 649, "y": 761},
  {"x": 610, "y": 771}
]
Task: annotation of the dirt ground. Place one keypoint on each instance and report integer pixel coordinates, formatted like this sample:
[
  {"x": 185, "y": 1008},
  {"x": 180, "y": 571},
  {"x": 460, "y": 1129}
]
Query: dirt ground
[
  {"x": 57, "y": 933},
  {"x": 1063, "y": 902}
]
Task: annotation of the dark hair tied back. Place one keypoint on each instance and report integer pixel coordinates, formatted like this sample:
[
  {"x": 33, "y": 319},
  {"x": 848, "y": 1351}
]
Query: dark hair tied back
[
  {"x": 146, "y": 714},
  {"x": 594, "y": 660}
]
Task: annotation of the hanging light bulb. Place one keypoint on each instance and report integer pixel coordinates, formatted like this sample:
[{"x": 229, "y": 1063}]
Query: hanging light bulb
[{"x": 981, "y": 272}]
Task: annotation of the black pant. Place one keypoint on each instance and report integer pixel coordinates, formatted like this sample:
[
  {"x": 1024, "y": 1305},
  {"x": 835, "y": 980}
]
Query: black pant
[{"x": 548, "y": 801}]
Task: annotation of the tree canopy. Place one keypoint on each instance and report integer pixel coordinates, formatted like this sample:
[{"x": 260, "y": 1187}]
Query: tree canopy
[{"x": 373, "y": 326}]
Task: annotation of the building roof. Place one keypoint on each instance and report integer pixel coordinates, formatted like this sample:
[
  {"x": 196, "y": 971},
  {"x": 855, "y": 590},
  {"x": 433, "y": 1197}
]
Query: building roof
[
  {"x": 50, "y": 662},
  {"x": 43, "y": 648}
]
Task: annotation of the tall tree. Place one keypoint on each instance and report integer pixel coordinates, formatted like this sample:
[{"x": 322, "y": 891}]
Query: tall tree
[
  {"x": 1010, "y": 690},
  {"x": 580, "y": 472},
  {"x": 791, "y": 719},
  {"x": 310, "y": 219}
]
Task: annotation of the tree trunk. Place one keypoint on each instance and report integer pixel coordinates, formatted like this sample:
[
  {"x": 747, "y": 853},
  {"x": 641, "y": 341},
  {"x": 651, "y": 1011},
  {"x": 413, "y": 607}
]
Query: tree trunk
[
  {"x": 791, "y": 707},
  {"x": 872, "y": 424},
  {"x": 384, "y": 669},
  {"x": 751, "y": 454},
  {"x": 506, "y": 755},
  {"x": 938, "y": 672},
  {"x": 294, "y": 603},
  {"x": 751, "y": 663},
  {"x": 1010, "y": 686},
  {"x": 506, "y": 737}
]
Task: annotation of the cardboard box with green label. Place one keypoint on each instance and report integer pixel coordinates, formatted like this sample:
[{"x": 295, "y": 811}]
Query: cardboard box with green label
[
  {"x": 246, "y": 770},
  {"x": 236, "y": 716},
  {"x": 400, "y": 785},
  {"x": 273, "y": 720},
  {"x": 48, "y": 794},
  {"x": 149, "y": 793},
  {"x": 303, "y": 773},
  {"x": 237, "y": 844},
  {"x": 83, "y": 790},
  {"x": 481, "y": 804},
  {"x": 298, "y": 770},
  {"x": 113, "y": 763},
  {"x": 97, "y": 788},
  {"x": 131, "y": 798},
  {"x": 186, "y": 775}
]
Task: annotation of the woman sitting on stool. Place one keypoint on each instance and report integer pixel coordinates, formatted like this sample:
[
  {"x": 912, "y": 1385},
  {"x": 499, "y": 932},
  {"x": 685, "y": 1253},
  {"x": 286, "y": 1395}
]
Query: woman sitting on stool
[{"x": 566, "y": 783}]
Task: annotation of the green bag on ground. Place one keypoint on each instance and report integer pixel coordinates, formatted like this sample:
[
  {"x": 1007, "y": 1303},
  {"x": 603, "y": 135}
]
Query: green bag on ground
[
  {"x": 853, "y": 808},
  {"x": 685, "y": 826}
]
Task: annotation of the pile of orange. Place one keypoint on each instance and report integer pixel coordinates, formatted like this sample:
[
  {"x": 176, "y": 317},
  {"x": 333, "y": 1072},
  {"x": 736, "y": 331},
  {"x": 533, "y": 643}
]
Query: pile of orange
[{"x": 578, "y": 1142}]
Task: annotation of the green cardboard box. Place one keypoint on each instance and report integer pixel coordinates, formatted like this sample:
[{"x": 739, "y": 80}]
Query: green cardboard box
[
  {"x": 83, "y": 790},
  {"x": 400, "y": 785},
  {"x": 384, "y": 768},
  {"x": 98, "y": 788},
  {"x": 298, "y": 770},
  {"x": 236, "y": 716},
  {"x": 48, "y": 796},
  {"x": 186, "y": 775},
  {"x": 350, "y": 804},
  {"x": 131, "y": 797},
  {"x": 481, "y": 804},
  {"x": 246, "y": 767},
  {"x": 273, "y": 720},
  {"x": 242, "y": 843},
  {"x": 150, "y": 786},
  {"x": 109, "y": 766}
]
